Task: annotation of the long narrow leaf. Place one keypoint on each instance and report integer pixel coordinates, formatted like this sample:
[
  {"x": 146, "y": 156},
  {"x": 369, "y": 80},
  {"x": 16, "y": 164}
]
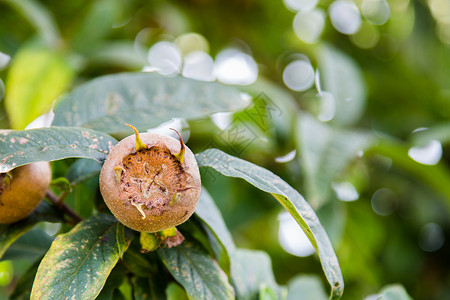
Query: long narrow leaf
[
  {"x": 9, "y": 233},
  {"x": 290, "y": 199}
]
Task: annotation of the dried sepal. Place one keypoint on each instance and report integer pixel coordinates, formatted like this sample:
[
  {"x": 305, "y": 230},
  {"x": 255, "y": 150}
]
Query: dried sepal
[
  {"x": 6, "y": 179},
  {"x": 180, "y": 155},
  {"x": 118, "y": 173},
  {"x": 139, "y": 144},
  {"x": 139, "y": 208}
]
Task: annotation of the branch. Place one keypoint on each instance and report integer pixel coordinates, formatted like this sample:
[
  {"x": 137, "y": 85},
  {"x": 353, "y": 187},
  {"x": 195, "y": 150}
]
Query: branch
[{"x": 63, "y": 207}]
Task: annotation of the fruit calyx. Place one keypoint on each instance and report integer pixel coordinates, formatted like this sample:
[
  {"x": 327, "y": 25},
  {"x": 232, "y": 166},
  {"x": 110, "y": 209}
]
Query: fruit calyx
[
  {"x": 150, "y": 241},
  {"x": 5, "y": 183}
]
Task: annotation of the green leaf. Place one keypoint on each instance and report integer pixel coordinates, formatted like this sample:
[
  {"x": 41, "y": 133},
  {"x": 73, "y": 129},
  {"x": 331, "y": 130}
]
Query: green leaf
[
  {"x": 307, "y": 287},
  {"x": 79, "y": 262},
  {"x": 281, "y": 105},
  {"x": 37, "y": 76},
  {"x": 208, "y": 212},
  {"x": 289, "y": 198},
  {"x": 2, "y": 89},
  {"x": 101, "y": 16},
  {"x": 252, "y": 270},
  {"x": 9, "y": 233},
  {"x": 114, "y": 281},
  {"x": 119, "y": 294},
  {"x": 83, "y": 197},
  {"x": 146, "y": 288},
  {"x": 125, "y": 54},
  {"x": 394, "y": 292},
  {"x": 31, "y": 245},
  {"x": 62, "y": 184},
  {"x": 138, "y": 264},
  {"x": 82, "y": 170},
  {"x": 242, "y": 264},
  {"x": 436, "y": 176},
  {"x": 47, "y": 144},
  {"x": 440, "y": 132},
  {"x": 341, "y": 77},
  {"x": 23, "y": 287},
  {"x": 38, "y": 15},
  {"x": 324, "y": 158},
  {"x": 122, "y": 243},
  {"x": 144, "y": 100},
  {"x": 266, "y": 293},
  {"x": 197, "y": 272}
]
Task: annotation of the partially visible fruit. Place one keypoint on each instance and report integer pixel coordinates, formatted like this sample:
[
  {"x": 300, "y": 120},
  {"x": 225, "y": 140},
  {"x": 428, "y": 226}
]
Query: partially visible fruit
[{"x": 22, "y": 189}]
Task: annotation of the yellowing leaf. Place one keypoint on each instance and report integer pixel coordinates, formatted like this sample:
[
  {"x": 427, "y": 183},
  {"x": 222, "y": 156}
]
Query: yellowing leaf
[
  {"x": 79, "y": 261},
  {"x": 37, "y": 76}
]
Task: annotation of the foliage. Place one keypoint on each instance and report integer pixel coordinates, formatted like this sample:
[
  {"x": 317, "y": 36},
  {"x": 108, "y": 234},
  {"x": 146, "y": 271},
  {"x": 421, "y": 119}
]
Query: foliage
[{"x": 353, "y": 144}]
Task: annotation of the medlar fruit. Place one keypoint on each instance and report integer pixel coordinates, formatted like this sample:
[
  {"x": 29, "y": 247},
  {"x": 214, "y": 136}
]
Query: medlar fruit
[
  {"x": 22, "y": 189},
  {"x": 150, "y": 182}
]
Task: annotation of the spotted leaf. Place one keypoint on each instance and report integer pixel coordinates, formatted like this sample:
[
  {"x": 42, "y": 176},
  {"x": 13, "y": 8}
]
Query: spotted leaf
[
  {"x": 47, "y": 144},
  {"x": 79, "y": 262},
  {"x": 144, "y": 100}
]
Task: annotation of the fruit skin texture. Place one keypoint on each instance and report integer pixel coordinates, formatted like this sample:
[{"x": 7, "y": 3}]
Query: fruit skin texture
[
  {"x": 153, "y": 179},
  {"x": 23, "y": 191}
]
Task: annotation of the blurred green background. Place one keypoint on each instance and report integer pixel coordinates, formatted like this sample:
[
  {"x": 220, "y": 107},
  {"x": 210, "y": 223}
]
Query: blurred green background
[{"x": 351, "y": 107}]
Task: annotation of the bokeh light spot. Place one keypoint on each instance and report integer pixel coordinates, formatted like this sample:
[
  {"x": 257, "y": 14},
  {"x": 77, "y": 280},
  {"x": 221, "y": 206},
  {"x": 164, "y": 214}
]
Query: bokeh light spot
[
  {"x": 345, "y": 191},
  {"x": 165, "y": 57},
  {"x": 431, "y": 237},
  {"x": 297, "y": 5},
  {"x": 308, "y": 25},
  {"x": 367, "y": 36},
  {"x": 222, "y": 120},
  {"x": 198, "y": 65},
  {"x": 299, "y": 75},
  {"x": 292, "y": 238},
  {"x": 327, "y": 107},
  {"x": 376, "y": 11},
  {"x": 443, "y": 29},
  {"x": 429, "y": 154},
  {"x": 440, "y": 9},
  {"x": 384, "y": 201},
  {"x": 345, "y": 16},
  {"x": 235, "y": 67},
  {"x": 286, "y": 158},
  {"x": 179, "y": 124},
  {"x": 190, "y": 42},
  {"x": 4, "y": 60}
]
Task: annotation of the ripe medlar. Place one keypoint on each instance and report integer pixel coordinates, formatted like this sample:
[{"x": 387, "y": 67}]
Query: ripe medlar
[
  {"x": 22, "y": 189},
  {"x": 150, "y": 182}
]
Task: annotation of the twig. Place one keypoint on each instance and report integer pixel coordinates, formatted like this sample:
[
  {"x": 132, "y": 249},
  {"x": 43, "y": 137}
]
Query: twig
[
  {"x": 63, "y": 207},
  {"x": 61, "y": 198}
]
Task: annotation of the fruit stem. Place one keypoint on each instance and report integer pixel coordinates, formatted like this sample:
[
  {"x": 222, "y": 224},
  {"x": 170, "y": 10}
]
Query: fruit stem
[
  {"x": 64, "y": 208},
  {"x": 180, "y": 155},
  {"x": 139, "y": 144}
]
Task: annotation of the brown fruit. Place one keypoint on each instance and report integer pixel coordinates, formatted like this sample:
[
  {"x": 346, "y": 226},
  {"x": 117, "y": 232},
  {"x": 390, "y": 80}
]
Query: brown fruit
[
  {"x": 150, "y": 182},
  {"x": 22, "y": 189}
]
